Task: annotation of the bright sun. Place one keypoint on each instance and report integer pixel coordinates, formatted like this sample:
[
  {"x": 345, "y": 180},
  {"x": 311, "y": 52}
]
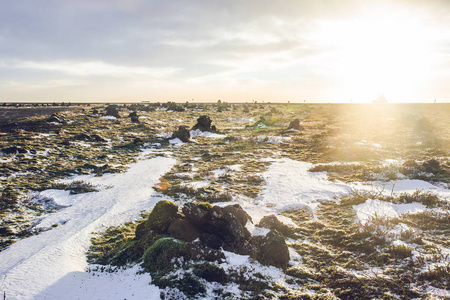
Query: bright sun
[{"x": 378, "y": 53}]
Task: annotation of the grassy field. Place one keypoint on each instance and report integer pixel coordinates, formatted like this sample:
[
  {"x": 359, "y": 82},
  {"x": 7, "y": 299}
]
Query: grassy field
[{"x": 400, "y": 257}]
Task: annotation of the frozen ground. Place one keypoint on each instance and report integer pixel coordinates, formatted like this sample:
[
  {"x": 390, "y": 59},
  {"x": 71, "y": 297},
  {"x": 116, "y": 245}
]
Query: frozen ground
[{"x": 52, "y": 265}]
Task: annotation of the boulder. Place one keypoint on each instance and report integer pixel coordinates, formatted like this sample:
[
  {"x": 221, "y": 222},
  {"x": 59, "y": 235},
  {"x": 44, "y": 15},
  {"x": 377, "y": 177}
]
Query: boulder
[
  {"x": 204, "y": 124},
  {"x": 273, "y": 251},
  {"x": 112, "y": 110},
  {"x": 183, "y": 230},
  {"x": 432, "y": 166},
  {"x": 197, "y": 214},
  {"x": 295, "y": 124},
  {"x": 182, "y": 133},
  {"x": 272, "y": 222},
  {"x": 238, "y": 212},
  {"x": 228, "y": 223},
  {"x": 56, "y": 119}
]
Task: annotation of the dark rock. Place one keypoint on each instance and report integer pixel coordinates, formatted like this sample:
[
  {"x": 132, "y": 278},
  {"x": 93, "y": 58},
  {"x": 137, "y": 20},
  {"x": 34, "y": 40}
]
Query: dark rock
[
  {"x": 89, "y": 138},
  {"x": 273, "y": 251},
  {"x": 138, "y": 141},
  {"x": 262, "y": 121},
  {"x": 97, "y": 138},
  {"x": 204, "y": 124},
  {"x": 432, "y": 166},
  {"x": 202, "y": 252},
  {"x": 195, "y": 213},
  {"x": 238, "y": 212},
  {"x": 182, "y": 133},
  {"x": 159, "y": 220},
  {"x": 272, "y": 222},
  {"x": 211, "y": 240},
  {"x": 135, "y": 120},
  {"x": 13, "y": 150},
  {"x": 132, "y": 114},
  {"x": 183, "y": 230},
  {"x": 112, "y": 110},
  {"x": 228, "y": 224},
  {"x": 295, "y": 124}
]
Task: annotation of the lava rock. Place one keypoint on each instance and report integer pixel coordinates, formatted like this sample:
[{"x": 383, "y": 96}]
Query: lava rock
[
  {"x": 272, "y": 222},
  {"x": 197, "y": 214},
  {"x": 295, "y": 124},
  {"x": 211, "y": 240},
  {"x": 204, "y": 124},
  {"x": 112, "y": 110},
  {"x": 273, "y": 251},
  {"x": 183, "y": 230},
  {"x": 182, "y": 133}
]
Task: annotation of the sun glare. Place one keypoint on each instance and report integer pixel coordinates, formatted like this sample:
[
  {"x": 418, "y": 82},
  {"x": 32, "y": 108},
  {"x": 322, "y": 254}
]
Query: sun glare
[{"x": 378, "y": 54}]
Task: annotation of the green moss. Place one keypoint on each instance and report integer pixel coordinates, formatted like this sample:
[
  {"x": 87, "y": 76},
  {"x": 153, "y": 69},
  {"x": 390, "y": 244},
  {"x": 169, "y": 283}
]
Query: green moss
[
  {"x": 210, "y": 272},
  {"x": 205, "y": 205},
  {"x": 161, "y": 256},
  {"x": 400, "y": 251},
  {"x": 162, "y": 215}
]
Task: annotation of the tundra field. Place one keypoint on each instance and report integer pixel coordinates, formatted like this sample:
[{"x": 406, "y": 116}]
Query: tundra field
[{"x": 225, "y": 201}]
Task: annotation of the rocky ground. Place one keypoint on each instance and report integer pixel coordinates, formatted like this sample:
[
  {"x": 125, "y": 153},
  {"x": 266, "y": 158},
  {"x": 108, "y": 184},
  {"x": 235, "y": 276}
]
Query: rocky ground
[{"x": 244, "y": 189}]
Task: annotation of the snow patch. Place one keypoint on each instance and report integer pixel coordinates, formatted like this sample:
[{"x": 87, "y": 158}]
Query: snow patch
[
  {"x": 207, "y": 134},
  {"x": 52, "y": 265},
  {"x": 376, "y": 208}
]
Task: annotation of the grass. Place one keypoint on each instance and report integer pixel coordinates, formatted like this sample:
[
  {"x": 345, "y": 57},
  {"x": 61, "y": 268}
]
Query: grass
[{"x": 350, "y": 142}]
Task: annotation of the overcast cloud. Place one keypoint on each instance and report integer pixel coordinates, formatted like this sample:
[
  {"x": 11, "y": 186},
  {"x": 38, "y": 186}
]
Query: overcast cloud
[{"x": 80, "y": 50}]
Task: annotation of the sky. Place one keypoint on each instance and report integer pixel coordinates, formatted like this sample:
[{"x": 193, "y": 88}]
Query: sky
[{"x": 235, "y": 51}]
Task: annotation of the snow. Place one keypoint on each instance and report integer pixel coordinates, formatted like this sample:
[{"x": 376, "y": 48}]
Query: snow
[
  {"x": 376, "y": 208},
  {"x": 404, "y": 186},
  {"x": 289, "y": 185},
  {"x": 207, "y": 134},
  {"x": 108, "y": 117},
  {"x": 199, "y": 184},
  {"x": 236, "y": 167},
  {"x": 52, "y": 265},
  {"x": 240, "y": 120},
  {"x": 60, "y": 197},
  {"x": 175, "y": 142},
  {"x": 219, "y": 172},
  {"x": 273, "y": 139}
]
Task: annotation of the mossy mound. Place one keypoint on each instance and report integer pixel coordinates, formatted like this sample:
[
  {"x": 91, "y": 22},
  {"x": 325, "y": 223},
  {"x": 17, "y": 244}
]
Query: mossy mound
[
  {"x": 161, "y": 255},
  {"x": 159, "y": 220}
]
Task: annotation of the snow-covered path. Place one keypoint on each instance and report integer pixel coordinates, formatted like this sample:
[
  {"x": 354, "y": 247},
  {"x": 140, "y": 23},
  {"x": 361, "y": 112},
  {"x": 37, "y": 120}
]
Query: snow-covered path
[{"x": 52, "y": 264}]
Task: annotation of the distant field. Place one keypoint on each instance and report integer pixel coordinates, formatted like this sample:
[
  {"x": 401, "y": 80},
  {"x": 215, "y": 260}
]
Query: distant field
[{"x": 8, "y": 115}]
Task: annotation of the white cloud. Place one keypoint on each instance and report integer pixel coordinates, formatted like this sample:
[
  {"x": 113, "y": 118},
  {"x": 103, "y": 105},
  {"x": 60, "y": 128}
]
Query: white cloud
[{"x": 92, "y": 68}]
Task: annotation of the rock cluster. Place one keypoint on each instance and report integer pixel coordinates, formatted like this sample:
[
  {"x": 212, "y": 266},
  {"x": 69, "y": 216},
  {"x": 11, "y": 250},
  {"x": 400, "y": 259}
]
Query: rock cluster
[
  {"x": 209, "y": 229},
  {"x": 204, "y": 124}
]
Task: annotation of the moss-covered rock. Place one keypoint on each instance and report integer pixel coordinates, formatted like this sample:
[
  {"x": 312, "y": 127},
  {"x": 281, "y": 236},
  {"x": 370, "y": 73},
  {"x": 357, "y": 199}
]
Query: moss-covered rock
[
  {"x": 159, "y": 220},
  {"x": 160, "y": 256}
]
